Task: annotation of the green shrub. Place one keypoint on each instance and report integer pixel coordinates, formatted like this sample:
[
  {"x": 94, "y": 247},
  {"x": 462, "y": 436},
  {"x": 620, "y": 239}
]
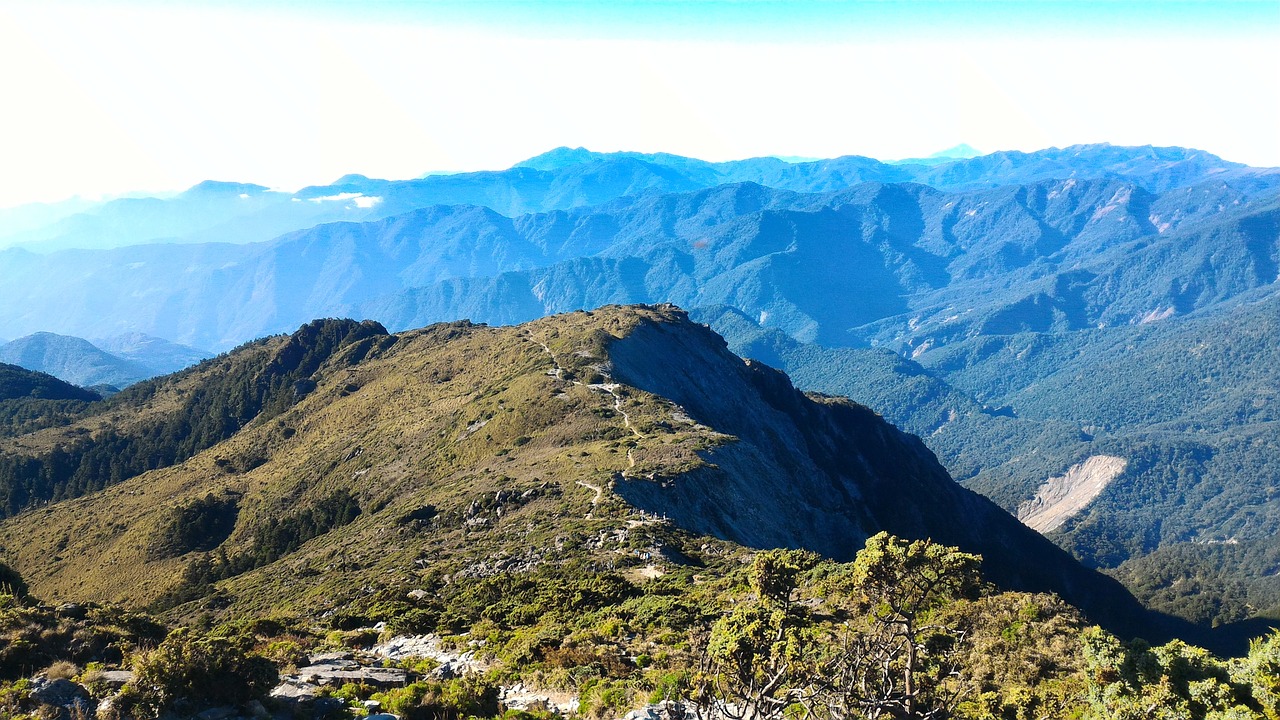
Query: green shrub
[
  {"x": 418, "y": 665},
  {"x": 33, "y": 636},
  {"x": 418, "y": 621},
  {"x": 11, "y": 583},
  {"x": 529, "y": 714},
  {"x": 668, "y": 686},
  {"x": 14, "y": 696},
  {"x": 285, "y": 653},
  {"x": 449, "y": 700},
  {"x": 606, "y": 698},
  {"x": 190, "y": 671},
  {"x": 353, "y": 693}
]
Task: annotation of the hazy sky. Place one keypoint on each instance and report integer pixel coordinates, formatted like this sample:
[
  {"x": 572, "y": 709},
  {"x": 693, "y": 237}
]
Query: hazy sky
[{"x": 108, "y": 97}]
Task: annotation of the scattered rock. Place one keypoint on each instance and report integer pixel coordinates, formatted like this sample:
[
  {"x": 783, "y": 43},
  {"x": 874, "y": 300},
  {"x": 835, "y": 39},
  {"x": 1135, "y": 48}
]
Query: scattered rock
[
  {"x": 335, "y": 668},
  {"x": 665, "y": 710},
  {"x": 328, "y": 706},
  {"x": 59, "y": 693},
  {"x": 294, "y": 688},
  {"x": 380, "y": 677},
  {"x": 519, "y": 697},
  {"x": 331, "y": 658},
  {"x": 428, "y": 646},
  {"x": 522, "y": 699},
  {"x": 115, "y": 679},
  {"x": 71, "y": 610}
]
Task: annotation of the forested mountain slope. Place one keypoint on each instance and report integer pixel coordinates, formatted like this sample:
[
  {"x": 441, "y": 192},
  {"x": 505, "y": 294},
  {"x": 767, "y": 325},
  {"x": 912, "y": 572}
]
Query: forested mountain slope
[{"x": 1189, "y": 407}]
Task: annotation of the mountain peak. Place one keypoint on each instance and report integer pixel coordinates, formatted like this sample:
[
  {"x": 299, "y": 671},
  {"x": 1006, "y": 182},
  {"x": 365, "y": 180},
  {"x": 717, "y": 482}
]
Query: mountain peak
[
  {"x": 72, "y": 359},
  {"x": 43, "y": 337},
  {"x": 963, "y": 151},
  {"x": 210, "y": 188},
  {"x": 351, "y": 179},
  {"x": 560, "y": 157}
]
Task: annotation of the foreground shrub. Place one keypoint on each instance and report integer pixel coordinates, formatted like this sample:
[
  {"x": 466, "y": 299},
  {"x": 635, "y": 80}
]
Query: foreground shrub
[
  {"x": 190, "y": 671},
  {"x": 33, "y": 635},
  {"x": 11, "y": 583},
  {"x": 449, "y": 700}
]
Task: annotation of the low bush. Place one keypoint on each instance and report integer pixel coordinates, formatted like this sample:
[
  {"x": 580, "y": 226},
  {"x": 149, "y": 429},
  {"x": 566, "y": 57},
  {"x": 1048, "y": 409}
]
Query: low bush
[{"x": 191, "y": 671}]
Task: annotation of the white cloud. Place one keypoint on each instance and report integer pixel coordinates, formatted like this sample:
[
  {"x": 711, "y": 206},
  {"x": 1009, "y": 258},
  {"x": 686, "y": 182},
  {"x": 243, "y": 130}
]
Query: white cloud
[
  {"x": 336, "y": 198},
  {"x": 358, "y": 200}
]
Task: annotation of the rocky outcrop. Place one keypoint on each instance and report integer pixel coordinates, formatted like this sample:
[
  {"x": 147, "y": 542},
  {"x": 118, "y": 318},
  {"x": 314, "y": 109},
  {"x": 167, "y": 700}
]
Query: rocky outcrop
[
  {"x": 335, "y": 669},
  {"x": 63, "y": 695},
  {"x": 304, "y": 688}
]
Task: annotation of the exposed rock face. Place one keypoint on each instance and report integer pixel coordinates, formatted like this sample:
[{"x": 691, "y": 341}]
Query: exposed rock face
[
  {"x": 1061, "y": 497},
  {"x": 823, "y": 473},
  {"x": 665, "y": 710},
  {"x": 115, "y": 679},
  {"x": 303, "y": 688}
]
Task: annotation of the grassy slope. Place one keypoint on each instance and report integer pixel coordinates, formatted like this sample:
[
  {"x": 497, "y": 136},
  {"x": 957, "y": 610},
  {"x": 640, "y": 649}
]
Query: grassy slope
[{"x": 395, "y": 430}]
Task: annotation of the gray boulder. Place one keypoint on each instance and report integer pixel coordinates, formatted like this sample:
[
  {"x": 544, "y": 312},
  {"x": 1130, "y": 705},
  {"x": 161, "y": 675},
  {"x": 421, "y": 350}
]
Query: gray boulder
[
  {"x": 60, "y": 693},
  {"x": 114, "y": 679}
]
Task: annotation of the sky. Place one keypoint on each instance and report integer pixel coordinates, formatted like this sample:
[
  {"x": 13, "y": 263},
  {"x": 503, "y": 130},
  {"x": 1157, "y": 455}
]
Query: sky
[{"x": 106, "y": 98}]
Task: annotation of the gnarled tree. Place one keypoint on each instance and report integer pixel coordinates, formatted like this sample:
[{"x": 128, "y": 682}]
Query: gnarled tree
[
  {"x": 895, "y": 660},
  {"x": 759, "y": 658}
]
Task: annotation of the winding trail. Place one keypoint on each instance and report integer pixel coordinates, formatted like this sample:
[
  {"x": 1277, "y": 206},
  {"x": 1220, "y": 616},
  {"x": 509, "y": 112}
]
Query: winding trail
[
  {"x": 595, "y": 500},
  {"x": 612, "y": 388}
]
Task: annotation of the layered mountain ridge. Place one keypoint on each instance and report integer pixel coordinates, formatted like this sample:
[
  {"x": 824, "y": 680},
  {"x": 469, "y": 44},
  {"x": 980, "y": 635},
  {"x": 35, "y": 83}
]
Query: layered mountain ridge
[
  {"x": 874, "y": 263},
  {"x": 113, "y": 362},
  {"x": 1187, "y": 408},
  {"x": 565, "y": 178}
]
